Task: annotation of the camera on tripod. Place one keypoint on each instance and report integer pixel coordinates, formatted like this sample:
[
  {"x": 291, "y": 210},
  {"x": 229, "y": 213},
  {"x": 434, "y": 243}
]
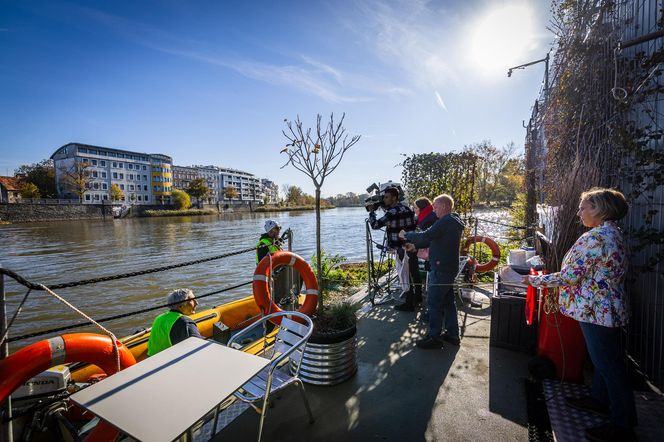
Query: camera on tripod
[{"x": 376, "y": 191}]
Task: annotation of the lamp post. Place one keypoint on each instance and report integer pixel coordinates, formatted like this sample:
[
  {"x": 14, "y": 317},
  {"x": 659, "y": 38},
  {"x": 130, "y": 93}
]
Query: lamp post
[{"x": 531, "y": 200}]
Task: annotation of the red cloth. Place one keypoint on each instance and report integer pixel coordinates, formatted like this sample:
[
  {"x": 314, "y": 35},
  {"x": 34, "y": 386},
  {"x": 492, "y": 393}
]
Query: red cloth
[
  {"x": 424, "y": 213},
  {"x": 531, "y": 301}
]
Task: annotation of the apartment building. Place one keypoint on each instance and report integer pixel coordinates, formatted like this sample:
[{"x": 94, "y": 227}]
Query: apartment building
[
  {"x": 184, "y": 175},
  {"x": 270, "y": 191},
  {"x": 247, "y": 186},
  {"x": 90, "y": 172}
]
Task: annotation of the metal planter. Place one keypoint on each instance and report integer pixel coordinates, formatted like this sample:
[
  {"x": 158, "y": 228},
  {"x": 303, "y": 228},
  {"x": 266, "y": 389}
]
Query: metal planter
[{"x": 328, "y": 363}]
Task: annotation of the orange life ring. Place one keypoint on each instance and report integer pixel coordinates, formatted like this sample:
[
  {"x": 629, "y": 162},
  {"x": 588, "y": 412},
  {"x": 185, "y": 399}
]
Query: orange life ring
[
  {"x": 29, "y": 361},
  {"x": 495, "y": 252},
  {"x": 261, "y": 287}
]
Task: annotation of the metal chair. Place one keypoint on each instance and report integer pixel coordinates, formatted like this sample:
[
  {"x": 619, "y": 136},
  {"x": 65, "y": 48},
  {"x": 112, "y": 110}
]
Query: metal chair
[{"x": 290, "y": 342}]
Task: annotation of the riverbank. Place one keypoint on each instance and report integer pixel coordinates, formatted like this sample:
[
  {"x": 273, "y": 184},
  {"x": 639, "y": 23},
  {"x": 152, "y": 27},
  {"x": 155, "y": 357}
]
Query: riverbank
[
  {"x": 187, "y": 212},
  {"x": 288, "y": 208}
]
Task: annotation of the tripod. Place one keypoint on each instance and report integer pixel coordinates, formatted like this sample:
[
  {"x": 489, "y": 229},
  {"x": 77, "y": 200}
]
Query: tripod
[{"x": 374, "y": 287}]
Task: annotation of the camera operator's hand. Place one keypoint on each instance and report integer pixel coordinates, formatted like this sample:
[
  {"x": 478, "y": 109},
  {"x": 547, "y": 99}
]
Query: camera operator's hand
[
  {"x": 402, "y": 234},
  {"x": 408, "y": 247}
]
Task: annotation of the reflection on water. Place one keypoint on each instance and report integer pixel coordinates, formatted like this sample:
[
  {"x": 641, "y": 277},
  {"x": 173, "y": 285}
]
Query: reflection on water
[{"x": 64, "y": 251}]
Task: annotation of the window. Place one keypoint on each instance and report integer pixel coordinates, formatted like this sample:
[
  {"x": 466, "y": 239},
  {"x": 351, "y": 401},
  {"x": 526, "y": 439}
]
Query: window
[
  {"x": 115, "y": 175},
  {"x": 131, "y": 187},
  {"x": 102, "y": 163},
  {"x": 104, "y": 186},
  {"x": 82, "y": 150},
  {"x": 145, "y": 187},
  {"x": 94, "y": 162},
  {"x": 130, "y": 166},
  {"x": 121, "y": 186},
  {"x": 105, "y": 197},
  {"x": 131, "y": 176},
  {"x": 122, "y": 176},
  {"x": 103, "y": 174},
  {"x": 94, "y": 174},
  {"x": 97, "y": 196},
  {"x": 87, "y": 197},
  {"x": 145, "y": 177},
  {"x": 115, "y": 164},
  {"x": 145, "y": 168},
  {"x": 120, "y": 165},
  {"x": 139, "y": 197},
  {"x": 95, "y": 186},
  {"x": 147, "y": 198},
  {"x": 92, "y": 151}
]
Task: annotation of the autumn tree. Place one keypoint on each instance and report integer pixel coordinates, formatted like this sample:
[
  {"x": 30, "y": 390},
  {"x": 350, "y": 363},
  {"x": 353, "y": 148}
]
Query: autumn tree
[
  {"x": 230, "y": 192},
  {"x": 41, "y": 174},
  {"x": 76, "y": 178},
  {"x": 116, "y": 193},
  {"x": 198, "y": 189},
  {"x": 317, "y": 153},
  {"x": 29, "y": 190},
  {"x": 180, "y": 199}
]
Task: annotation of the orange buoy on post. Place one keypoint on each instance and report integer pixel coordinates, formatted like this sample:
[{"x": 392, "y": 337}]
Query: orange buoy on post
[
  {"x": 262, "y": 274},
  {"x": 491, "y": 244},
  {"x": 93, "y": 348}
]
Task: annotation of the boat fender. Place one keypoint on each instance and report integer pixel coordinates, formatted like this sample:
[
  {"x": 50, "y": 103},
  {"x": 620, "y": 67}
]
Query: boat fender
[
  {"x": 261, "y": 287},
  {"x": 93, "y": 348},
  {"x": 495, "y": 252}
]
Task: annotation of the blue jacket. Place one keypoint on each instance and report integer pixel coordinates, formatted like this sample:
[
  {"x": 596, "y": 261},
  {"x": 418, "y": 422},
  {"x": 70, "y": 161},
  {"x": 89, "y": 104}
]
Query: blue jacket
[{"x": 444, "y": 240}]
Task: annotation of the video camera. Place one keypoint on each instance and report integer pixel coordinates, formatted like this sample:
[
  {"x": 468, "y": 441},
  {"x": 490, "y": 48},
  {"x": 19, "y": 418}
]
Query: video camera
[{"x": 376, "y": 191}]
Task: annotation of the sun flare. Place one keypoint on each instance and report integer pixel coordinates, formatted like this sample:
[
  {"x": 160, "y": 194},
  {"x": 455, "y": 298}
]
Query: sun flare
[{"x": 502, "y": 37}]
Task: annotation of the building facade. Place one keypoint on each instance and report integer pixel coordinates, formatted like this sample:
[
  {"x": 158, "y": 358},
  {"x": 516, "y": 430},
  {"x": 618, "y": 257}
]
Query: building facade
[
  {"x": 184, "y": 175},
  {"x": 9, "y": 190},
  {"x": 270, "y": 191},
  {"x": 247, "y": 187},
  {"x": 90, "y": 172}
]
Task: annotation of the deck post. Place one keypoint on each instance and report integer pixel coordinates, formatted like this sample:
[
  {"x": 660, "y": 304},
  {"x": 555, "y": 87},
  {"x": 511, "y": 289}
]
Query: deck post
[{"x": 7, "y": 434}]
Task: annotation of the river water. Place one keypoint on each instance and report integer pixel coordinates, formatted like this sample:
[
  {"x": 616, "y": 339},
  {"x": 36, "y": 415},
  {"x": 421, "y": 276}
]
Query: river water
[{"x": 63, "y": 251}]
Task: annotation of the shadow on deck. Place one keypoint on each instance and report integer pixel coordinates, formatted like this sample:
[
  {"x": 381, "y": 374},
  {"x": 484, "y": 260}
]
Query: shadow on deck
[{"x": 402, "y": 393}]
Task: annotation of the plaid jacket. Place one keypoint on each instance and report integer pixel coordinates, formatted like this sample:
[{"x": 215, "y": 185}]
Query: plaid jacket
[{"x": 395, "y": 219}]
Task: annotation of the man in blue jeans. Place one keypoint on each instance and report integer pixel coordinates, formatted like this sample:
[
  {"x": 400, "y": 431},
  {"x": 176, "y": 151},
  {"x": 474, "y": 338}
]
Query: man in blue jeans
[{"x": 443, "y": 239}]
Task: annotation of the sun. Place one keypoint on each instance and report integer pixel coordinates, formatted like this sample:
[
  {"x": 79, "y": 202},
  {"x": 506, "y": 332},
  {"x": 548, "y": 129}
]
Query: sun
[{"x": 502, "y": 37}]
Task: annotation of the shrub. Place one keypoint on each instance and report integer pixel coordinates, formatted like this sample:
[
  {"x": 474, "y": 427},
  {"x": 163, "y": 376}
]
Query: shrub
[{"x": 181, "y": 199}]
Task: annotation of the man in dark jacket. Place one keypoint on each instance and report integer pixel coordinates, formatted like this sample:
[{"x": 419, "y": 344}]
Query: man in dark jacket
[
  {"x": 443, "y": 239},
  {"x": 175, "y": 325}
]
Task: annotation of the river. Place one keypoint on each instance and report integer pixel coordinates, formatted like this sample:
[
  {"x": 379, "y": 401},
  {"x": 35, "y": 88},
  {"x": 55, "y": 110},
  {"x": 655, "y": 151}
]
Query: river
[{"x": 63, "y": 251}]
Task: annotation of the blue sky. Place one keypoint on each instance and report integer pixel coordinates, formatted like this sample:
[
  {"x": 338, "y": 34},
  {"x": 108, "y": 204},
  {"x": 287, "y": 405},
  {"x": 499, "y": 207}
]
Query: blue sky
[{"x": 211, "y": 82}]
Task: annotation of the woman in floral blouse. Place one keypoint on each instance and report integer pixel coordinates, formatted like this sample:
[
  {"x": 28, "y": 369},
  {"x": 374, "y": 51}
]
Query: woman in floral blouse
[{"x": 591, "y": 281}]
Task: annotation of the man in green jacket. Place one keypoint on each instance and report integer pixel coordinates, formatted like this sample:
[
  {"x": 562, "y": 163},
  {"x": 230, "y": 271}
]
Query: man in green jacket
[
  {"x": 175, "y": 325},
  {"x": 268, "y": 241}
]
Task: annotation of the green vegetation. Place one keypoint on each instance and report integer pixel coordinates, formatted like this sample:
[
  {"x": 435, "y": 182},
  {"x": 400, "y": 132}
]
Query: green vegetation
[
  {"x": 190, "y": 212},
  {"x": 29, "y": 190},
  {"x": 40, "y": 174},
  {"x": 180, "y": 199},
  {"x": 116, "y": 193},
  {"x": 272, "y": 208},
  {"x": 198, "y": 189}
]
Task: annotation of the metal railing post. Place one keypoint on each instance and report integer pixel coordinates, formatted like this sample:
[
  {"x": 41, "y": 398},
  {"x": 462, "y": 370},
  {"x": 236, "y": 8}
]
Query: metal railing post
[{"x": 7, "y": 434}]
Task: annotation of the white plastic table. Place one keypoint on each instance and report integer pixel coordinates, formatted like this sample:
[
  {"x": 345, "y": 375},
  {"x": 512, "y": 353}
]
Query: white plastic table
[{"x": 159, "y": 398}]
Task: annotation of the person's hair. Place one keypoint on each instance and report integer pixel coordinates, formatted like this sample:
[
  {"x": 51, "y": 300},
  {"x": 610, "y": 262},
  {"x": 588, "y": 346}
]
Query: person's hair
[
  {"x": 447, "y": 198},
  {"x": 608, "y": 204},
  {"x": 178, "y": 296},
  {"x": 393, "y": 191},
  {"x": 422, "y": 202}
]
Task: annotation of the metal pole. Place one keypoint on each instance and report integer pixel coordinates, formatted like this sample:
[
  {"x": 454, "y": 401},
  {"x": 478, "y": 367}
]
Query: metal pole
[
  {"x": 7, "y": 435},
  {"x": 368, "y": 241}
]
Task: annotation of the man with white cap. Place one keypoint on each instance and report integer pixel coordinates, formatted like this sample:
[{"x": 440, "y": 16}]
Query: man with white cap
[
  {"x": 269, "y": 240},
  {"x": 175, "y": 325}
]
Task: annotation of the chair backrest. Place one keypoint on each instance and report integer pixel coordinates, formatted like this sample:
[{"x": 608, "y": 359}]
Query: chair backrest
[{"x": 291, "y": 339}]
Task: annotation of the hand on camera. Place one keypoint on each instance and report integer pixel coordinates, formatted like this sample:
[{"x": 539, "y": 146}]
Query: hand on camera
[
  {"x": 402, "y": 234},
  {"x": 409, "y": 247}
]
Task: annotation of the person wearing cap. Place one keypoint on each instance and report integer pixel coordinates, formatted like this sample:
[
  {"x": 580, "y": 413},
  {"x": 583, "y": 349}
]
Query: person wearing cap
[
  {"x": 268, "y": 240},
  {"x": 175, "y": 325}
]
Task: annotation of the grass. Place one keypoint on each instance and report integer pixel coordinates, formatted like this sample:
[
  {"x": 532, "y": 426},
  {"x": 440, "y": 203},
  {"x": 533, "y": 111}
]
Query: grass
[{"x": 186, "y": 212}]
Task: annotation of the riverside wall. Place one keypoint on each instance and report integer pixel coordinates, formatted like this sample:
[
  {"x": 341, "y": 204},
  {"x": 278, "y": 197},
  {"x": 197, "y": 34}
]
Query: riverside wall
[{"x": 23, "y": 213}]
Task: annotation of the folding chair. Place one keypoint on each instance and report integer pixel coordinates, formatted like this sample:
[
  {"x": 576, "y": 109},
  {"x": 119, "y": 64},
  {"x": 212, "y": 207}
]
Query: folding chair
[{"x": 290, "y": 342}]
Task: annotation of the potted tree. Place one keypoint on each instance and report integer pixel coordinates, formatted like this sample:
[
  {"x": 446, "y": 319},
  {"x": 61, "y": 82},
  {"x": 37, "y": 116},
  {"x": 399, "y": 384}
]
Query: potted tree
[{"x": 330, "y": 354}]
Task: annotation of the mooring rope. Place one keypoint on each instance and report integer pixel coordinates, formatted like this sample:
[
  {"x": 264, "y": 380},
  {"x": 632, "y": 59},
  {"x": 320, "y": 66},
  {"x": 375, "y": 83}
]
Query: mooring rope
[{"x": 114, "y": 340}]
